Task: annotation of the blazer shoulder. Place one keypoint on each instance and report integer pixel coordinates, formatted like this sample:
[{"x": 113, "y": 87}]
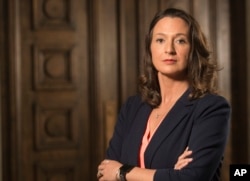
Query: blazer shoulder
[
  {"x": 129, "y": 110},
  {"x": 212, "y": 104},
  {"x": 133, "y": 102},
  {"x": 213, "y": 99}
]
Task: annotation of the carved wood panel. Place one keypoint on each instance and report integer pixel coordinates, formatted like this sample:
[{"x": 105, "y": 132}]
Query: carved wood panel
[
  {"x": 53, "y": 128},
  {"x": 61, "y": 171},
  {"x": 56, "y": 127},
  {"x": 54, "y": 67},
  {"x": 53, "y": 14}
]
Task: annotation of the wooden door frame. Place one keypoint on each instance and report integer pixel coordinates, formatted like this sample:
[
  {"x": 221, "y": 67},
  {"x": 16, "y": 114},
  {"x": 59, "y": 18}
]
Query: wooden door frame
[
  {"x": 240, "y": 82},
  {"x": 248, "y": 70},
  {"x": 9, "y": 89},
  {"x": 3, "y": 89},
  {"x": 2, "y": 42}
]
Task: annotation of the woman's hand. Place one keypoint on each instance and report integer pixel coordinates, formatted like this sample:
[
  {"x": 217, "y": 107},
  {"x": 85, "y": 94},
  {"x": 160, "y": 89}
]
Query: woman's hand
[
  {"x": 107, "y": 170},
  {"x": 183, "y": 159}
]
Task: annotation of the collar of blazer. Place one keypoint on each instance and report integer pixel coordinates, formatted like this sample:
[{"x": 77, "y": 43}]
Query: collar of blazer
[{"x": 171, "y": 120}]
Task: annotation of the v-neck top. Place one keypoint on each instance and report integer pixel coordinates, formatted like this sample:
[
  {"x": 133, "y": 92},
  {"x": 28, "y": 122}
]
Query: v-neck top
[{"x": 145, "y": 141}]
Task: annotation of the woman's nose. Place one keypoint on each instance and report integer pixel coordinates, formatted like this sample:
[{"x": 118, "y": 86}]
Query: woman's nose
[{"x": 169, "y": 48}]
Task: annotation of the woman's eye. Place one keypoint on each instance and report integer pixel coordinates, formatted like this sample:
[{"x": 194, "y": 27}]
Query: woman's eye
[
  {"x": 159, "y": 40},
  {"x": 181, "y": 41}
]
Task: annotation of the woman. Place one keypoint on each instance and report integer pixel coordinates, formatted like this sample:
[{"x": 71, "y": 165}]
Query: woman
[{"x": 177, "y": 128}]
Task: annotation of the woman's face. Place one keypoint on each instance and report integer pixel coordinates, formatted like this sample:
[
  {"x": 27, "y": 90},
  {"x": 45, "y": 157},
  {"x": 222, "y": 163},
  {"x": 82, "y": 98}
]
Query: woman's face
[{"x": 170, "y": 47}]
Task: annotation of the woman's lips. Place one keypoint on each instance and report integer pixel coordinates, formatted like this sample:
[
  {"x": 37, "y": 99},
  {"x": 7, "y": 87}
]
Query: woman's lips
[{"x": 170, "y": 61}]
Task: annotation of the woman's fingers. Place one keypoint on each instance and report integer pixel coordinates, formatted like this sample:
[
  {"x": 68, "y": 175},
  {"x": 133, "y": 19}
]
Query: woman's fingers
[
  {"x": 182, "y": 163},
  {"x": 107, "y": 170},
  {"x": 185, "y": 155},
  {"x": 184, "y": 159}
]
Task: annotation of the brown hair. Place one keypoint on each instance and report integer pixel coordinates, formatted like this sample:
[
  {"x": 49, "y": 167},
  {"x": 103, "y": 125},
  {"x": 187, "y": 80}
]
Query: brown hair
[{"x": 201, "y": 70}]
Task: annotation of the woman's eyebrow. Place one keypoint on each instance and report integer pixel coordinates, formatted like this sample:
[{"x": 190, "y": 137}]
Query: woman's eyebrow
[{"x": 178, "y": 34}]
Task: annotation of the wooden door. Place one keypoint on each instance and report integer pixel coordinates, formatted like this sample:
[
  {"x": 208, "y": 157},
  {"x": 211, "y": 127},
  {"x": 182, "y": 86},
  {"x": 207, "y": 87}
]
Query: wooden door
[
  {"x": 49, "y": 94},
  {"x": 67, "y": 67}
]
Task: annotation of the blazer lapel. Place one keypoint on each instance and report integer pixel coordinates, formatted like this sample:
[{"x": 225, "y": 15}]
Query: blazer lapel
[
  {"x": 168, "y": 125},
  {"x": 133, "y": 142}
]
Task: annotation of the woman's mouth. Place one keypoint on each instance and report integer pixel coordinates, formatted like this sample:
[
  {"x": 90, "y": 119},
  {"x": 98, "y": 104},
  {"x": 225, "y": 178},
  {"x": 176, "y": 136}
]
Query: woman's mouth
[{"x": 170, "y": 61}]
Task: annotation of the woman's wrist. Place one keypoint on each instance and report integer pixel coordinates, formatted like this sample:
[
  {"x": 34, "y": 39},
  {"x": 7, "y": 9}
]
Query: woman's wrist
[{"x": 122, "y": 171}]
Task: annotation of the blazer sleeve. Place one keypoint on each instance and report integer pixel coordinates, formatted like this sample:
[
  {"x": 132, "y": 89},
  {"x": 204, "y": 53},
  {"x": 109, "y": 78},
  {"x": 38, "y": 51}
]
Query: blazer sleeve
[
  {"x": 126, "y": 114},
  {"x": 207, "y": 141}
]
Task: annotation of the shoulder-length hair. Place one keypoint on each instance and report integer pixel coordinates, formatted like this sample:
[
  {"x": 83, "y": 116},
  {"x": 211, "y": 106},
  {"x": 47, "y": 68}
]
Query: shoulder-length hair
[{"x": 201, "y": 69}]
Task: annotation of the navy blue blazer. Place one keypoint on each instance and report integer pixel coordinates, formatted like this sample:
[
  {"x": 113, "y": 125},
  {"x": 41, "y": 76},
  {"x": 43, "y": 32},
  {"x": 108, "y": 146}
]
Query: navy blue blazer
[{"x": 201, "y": 124}]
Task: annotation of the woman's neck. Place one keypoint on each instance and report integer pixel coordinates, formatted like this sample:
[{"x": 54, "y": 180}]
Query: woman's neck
[{"x": 172, "y": 89}]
